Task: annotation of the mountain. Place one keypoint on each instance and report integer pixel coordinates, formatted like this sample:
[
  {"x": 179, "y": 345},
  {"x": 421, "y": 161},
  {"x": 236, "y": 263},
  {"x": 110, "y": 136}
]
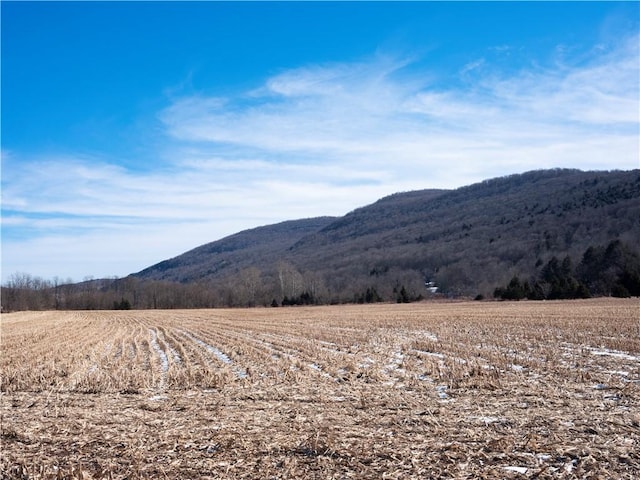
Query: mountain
[
  {"x": 257, "y": 247},
  {"x": 467, "y": 240}
]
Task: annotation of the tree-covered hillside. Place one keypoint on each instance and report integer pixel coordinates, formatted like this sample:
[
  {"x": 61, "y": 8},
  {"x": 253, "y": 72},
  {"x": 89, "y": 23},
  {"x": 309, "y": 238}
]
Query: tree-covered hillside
[
  {"x": 464, "y": 242},
  {"x": 470, "y": 239}
]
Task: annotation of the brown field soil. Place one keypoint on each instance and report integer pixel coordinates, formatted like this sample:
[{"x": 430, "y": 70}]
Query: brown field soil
[{"x": 427, "y": 390}]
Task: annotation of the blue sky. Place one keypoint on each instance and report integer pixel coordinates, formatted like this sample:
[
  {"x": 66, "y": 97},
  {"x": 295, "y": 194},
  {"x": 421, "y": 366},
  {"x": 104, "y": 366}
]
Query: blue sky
[{"x": 132, "y": 132}]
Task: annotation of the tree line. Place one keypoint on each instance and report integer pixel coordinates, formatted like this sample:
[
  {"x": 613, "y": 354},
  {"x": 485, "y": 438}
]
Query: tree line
[
  {"x": 612, "y": 270},
  {"x": 250, "y": 287}
]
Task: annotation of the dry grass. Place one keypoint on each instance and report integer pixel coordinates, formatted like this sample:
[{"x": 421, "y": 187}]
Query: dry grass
[{"x": 431, "y": 390}]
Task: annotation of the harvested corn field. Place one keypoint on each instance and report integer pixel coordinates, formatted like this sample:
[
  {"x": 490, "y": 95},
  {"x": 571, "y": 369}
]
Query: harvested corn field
[{"x": 429, "y": 390}]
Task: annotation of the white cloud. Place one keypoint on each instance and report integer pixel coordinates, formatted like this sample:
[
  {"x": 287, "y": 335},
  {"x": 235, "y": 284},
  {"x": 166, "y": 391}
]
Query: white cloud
[
  {"x": 474, "y": 65},
  {"x": 368, "y": 113},
  {"x": 317, "y": 140},
  {"x": 100, "y": 220}
]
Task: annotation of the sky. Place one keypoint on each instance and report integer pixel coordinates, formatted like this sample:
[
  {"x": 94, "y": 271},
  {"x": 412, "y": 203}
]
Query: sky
[{"x": 134, "y": 131}]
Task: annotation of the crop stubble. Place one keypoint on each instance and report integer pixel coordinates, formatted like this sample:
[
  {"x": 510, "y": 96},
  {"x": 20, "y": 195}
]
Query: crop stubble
[{"x": 428, "y": 390}]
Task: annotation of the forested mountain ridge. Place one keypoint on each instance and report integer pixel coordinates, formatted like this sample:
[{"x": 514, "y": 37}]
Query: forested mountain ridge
[
  {"x": 541, "y": 234},
  {"x": 249, "y": 248},
  {"x": 467, "y": 240}
]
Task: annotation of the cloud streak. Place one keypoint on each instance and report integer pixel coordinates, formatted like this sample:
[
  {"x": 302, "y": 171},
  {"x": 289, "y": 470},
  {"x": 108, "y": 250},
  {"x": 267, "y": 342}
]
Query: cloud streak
[
  {"x": 381, "y": 115},
  {"x": 316, "y": 140}
]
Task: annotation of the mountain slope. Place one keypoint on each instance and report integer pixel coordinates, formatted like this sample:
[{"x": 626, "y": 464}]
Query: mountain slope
[
  {"x": 472, "y": 237},
  {"x": 245, "y": 249},
  {"x": 467, "y": 240}
]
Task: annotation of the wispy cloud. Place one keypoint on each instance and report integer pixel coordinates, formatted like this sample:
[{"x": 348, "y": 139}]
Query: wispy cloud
[
  {"x": 317, "y": 140},
  {"x": 382, "y": 115}
]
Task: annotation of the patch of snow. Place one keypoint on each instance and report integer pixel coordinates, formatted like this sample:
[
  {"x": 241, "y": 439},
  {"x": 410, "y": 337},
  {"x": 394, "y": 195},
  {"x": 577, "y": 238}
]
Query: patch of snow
[
  {"x": 398, "y": 358},
  {"x": 430, "y": 336},
  {"x": 223, "y": 357},
  {"x": 157, "y": 398},
  {"x": 319, "y": 369},
  {"x": 367, "y": 362},
  {"x": 442, "y": 392},
  {"x": 618, "y": 372},
  {"x": 430, "y": 354},
  {"x": 521, "y": 470},
  {"x": 218, "y": 354},
  {"x": 569, "y": 466},
  {"x": 164, "y": 361},
  {"x": 488, "y": 420},
  {"x": 614, "y": 353},
  {"x": 613, "y": 398},
  {"x": 174, "y": 353}
]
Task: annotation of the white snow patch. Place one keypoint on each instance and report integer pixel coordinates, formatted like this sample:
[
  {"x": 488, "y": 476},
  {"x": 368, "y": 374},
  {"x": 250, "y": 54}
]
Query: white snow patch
[
  {"x": 164, "y": 361},
  {"x": 174, "y": 353},
  {"x": 430, "y": 336},
  {"x": 223, "y": 357},
  {"x": 157, "y": 398},
  {"x": 617, "y": 372},
  {"x": 570, "y": 466},
  {"x": 442, "y": 392},
  {"x": 319, "y": 369},
  {"x": 398, "y": 358},
  {"x": 614, "y": 353},
  {"x": 521, "y": 470},
  {"x": 488, "y": 419},
  {"x": 430, "y": 354},
  {"x": 367, "y": 362},
  {"x": 613, "y": 398},
  {"x": 316, "y": 367}
]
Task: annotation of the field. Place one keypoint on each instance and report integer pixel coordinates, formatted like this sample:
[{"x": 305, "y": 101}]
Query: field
[{"x": 427, "y": 390}]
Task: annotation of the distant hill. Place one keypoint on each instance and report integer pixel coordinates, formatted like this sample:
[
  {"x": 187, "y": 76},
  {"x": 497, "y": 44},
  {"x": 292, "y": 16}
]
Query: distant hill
[
  {"x": 257, "y": 247},
  {"x": 547, "y": 234},
  {"x": 466, "y": 241}
]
